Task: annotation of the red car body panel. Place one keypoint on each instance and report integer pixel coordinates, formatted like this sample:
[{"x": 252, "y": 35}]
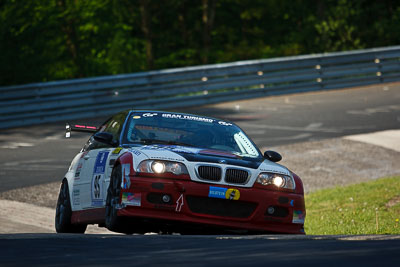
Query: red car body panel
[{"x": 183, "y": 208}]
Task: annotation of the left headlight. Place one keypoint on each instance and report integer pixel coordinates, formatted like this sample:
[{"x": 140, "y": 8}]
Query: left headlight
[
  {"x": 161, "y": 166},
  {"x": 278, "y": 180}
]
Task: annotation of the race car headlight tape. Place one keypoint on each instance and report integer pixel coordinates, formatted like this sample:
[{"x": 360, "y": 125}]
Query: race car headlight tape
[
  {"x": 278, "y": 180},
  {"x": 161, "y": 166}
]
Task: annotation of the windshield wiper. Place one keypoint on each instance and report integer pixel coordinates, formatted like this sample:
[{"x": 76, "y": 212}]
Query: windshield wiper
[{"x": 156, "y": 141}]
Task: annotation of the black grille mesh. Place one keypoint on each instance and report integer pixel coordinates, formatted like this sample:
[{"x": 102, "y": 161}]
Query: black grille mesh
[
  {"x": 210, "y": 173},
  {"x": 220, "y": 207},
  {"x": 235, "y": 176}
]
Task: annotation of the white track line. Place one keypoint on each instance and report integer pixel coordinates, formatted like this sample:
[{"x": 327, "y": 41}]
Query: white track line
[{"x": 388, "y": 139}]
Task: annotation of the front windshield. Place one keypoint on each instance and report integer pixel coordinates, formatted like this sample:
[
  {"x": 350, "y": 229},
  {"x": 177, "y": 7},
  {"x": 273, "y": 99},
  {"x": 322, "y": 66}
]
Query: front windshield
[{"x": 187, "y": 130}]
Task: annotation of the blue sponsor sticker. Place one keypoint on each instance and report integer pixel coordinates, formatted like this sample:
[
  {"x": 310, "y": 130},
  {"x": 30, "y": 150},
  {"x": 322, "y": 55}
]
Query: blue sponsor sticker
[
  {"x": 101, "y": 160},
  {"x": 217, "y": 192},
  {"x": 98, "y": 179}
]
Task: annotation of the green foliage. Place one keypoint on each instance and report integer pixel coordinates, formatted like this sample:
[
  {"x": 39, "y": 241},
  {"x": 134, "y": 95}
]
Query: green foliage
[
  {"x": 48, "y": 40},
  {"x": 366, "y": 208}
]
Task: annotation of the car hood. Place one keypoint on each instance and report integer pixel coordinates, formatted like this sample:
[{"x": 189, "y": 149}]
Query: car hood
[
  {"x": 198, "y": 155},
  {"x": 193, "y": 158}
]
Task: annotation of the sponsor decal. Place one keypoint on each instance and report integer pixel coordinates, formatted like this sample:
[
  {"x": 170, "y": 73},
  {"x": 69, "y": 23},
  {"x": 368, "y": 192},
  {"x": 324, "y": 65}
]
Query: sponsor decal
[
  {"x": 100, "y": 164},
  {"x": 298, "y": 216},
  {"x": 149, "y": 114},
  {"x": 179, "y": 203},
  {"x": 224, "y": 193},
  {"x": 187, "y": 117},
  {"x": 218, "y": 153},
  {"x": 274, "y": 171},
  {"x": 132, "y": 199},
  {"x": 167, "y": 158},
  {"x": 217, "y": 192},
  {"x": 126, "y": 181},
  {"x": 78, "y": 171},
  {"x": 76, "y": 200},
  {"x": 224, "y": 123},
  {"x": 136, "y": 152},
  {"x": 98, "y": 179},
  {"x": 117, "y": 150},
  {"x": 176, "y": 149},
  {"x": 232, "y": 194}
]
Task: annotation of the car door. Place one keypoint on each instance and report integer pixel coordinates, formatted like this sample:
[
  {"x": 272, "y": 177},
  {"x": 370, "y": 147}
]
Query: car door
[{"x": 95, "y": 170}]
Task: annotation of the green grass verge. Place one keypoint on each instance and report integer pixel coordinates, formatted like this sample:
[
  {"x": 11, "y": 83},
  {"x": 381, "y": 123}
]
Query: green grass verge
[{"x": 366, "y": 208}]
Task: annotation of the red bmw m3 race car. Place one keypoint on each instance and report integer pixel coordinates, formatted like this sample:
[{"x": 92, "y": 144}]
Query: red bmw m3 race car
[{"x": 154, "y": 171}]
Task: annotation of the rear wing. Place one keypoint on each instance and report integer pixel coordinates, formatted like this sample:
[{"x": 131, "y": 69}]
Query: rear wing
[{"x": 78, "y": 128}]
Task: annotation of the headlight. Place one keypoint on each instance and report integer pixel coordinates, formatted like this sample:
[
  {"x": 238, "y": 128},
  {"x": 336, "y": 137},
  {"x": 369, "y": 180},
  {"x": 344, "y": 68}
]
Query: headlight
[
  {"x": 158, "y": 167},
  {"x": 278, "y": 180},
  {"x": 161, "y": 166}
]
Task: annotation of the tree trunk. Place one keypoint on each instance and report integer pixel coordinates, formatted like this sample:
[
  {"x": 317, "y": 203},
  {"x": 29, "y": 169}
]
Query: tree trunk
[
  {"x": 208, "y": 7},
  {"x": 146, "y": 28},
  {"x": 68, "y": 27}
]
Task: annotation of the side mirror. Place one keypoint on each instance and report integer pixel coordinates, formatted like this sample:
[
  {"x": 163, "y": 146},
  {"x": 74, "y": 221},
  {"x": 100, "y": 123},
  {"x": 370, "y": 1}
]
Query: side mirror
[
  {"x": 106, "y": 138},
  {"x": 272, "y": 156}
]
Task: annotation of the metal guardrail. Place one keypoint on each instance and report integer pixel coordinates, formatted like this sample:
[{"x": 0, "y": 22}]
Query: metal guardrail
[{"x": 184, "y": 87}]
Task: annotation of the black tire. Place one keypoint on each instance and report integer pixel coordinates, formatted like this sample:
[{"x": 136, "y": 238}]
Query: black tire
[
  {"x": 112, "y": 221},
  {"x": 63, "y": 213}
]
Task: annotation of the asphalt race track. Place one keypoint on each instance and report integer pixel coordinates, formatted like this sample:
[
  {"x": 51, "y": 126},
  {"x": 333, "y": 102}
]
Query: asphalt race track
[
  {"x": 106, "y": 250},
  {"x": 39, "y": 154}
]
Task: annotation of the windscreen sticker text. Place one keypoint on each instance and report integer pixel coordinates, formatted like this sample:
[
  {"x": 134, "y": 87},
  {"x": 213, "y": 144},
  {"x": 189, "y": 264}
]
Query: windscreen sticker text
[{"x": 186, "y": 117}]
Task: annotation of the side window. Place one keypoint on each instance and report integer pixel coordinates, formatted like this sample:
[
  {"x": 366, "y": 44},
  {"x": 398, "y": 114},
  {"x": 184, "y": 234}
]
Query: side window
[{"x": 113, "y": 126}]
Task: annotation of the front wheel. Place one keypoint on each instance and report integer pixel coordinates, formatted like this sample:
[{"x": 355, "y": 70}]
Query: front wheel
[
  {"x": 113, "y": 222},
  {"x": 64, "y": 212}
]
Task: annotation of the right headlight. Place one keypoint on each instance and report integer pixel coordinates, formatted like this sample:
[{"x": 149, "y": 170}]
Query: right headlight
[
  {"x": 278, "y": 180},
  {"x": 161, "y": 167}
]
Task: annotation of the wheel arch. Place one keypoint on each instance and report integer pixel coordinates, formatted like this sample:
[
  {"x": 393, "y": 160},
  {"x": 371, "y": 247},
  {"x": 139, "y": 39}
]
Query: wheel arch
[{"x": 125, "y": 159}]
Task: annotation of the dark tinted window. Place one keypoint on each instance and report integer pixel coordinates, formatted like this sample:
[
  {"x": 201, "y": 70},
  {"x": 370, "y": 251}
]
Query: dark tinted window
[
  {"x": 189, "y": 130},
  {"x": 114, "y": 126}
]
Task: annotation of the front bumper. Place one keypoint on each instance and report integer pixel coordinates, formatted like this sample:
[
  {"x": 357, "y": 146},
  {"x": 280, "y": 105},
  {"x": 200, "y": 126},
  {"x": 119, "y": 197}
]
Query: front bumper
[{"x": 191, "y": 202}]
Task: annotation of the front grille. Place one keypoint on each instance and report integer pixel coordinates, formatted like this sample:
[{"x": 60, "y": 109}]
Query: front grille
[
  {"x": 235, "y": 176},
  {"x": 220, "y": 207},
  {"x": 210, "y": 173}
]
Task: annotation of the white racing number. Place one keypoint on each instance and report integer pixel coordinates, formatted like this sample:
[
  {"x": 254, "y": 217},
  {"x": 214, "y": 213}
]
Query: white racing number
[
  {"x": 98, "y": 179},
  {"x": 96, "y": 186}
]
